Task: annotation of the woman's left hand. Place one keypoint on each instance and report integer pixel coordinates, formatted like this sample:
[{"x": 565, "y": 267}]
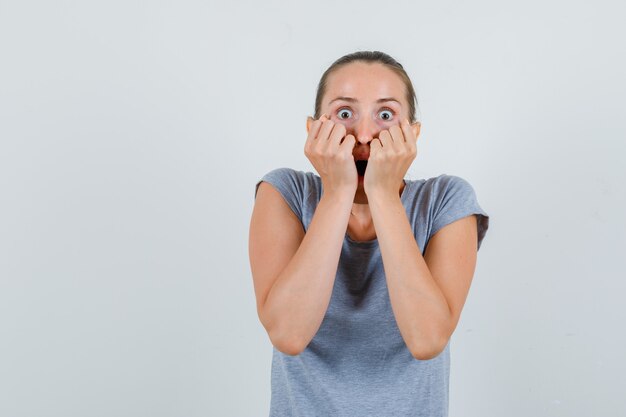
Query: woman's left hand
[{"x": 391, "y": 155}]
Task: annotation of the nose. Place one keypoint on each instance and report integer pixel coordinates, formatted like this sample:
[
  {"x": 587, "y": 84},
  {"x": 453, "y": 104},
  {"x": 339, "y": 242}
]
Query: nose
[{"x": 365, "y": 130}]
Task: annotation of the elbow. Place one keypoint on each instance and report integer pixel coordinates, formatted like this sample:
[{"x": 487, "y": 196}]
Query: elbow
[
  {"x": 282, "y": 339},
  {"x": 288, "y": 345},
  {"x": 428, "y": 351},
  {"x": 288, "y": 348},
  {"x": 433, "y": 344}
]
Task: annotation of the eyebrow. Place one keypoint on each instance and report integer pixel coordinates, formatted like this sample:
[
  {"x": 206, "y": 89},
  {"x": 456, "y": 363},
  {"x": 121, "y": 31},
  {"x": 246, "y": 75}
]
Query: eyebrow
[{"x": 353, "y": 100}]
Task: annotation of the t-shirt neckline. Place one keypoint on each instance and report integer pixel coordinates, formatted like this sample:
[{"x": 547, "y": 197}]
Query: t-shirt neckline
[{"x": 374, "y": 241}]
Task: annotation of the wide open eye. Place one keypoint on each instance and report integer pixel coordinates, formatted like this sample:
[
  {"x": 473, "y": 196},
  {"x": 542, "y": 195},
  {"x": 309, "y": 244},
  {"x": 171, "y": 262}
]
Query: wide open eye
[
  {"x": 385, "y": 115},
  {"x": 344, "y": 113}
]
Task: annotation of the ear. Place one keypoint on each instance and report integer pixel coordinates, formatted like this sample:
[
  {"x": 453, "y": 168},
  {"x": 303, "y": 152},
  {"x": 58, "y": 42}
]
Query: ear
[
  {"x": 416, "y": 127},
  {"x": 309, "y": 122}
]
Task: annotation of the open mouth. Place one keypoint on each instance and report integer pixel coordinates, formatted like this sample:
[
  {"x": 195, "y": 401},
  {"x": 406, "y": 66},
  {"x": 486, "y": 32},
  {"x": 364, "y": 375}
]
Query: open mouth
[{"x": 360, "y": 167}]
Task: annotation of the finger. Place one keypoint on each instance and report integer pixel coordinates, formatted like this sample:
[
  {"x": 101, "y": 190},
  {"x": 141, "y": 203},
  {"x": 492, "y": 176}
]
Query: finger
[
  {"x": 327, "y": 127},
  {"x": 399, "y": 141},
  {"x": 338, "y": 133},
  {"x": 310, "y": 140},
  {"x": 315, "y": 127},
  {"x": 375, "y": 147},
  {"x": 314, "y": 133},
  {"x": 321, "y": 140},
  {"x": 348, "y": 143},
  {"x": 385, "y": 140},
  {"x": 411, "y": 139}
]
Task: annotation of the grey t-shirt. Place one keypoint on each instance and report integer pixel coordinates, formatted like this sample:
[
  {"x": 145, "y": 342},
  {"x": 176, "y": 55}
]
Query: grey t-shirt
[{"x": 358, "y": 365}]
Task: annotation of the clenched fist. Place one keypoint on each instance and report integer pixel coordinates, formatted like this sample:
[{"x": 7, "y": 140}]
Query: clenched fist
[
  {"x": 391, "y": 155},
  {"x": 330, "y": 151}
]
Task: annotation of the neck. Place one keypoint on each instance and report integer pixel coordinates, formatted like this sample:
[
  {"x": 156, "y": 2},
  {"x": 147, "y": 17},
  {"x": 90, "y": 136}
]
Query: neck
[{"x": 360, "y": 198}]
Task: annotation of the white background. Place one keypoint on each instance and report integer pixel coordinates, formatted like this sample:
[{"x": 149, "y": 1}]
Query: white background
[{"x": 131, "y": 137}]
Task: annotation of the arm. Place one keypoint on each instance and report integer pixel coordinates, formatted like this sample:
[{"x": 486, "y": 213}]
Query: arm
[
  {"x": 294, "y": 272},
  {"x": 427, "y": 292}
]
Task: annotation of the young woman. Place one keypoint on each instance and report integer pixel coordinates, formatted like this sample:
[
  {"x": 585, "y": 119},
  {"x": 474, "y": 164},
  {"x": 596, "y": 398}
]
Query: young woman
[{"x": 360, "y": 275}]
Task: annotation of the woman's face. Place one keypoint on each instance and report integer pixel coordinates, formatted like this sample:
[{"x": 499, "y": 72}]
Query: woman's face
[{"x": 366, "y": 98}]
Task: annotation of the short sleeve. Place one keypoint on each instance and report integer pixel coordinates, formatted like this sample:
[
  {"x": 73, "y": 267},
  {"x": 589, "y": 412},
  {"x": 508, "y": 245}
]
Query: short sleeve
[
  {"x": 456, "y": 199},
  {"x": 290, "y": 185}
]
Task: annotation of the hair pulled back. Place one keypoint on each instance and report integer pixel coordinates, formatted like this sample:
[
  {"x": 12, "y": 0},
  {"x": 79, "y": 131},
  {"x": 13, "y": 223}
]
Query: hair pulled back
[{"x": 369, "y": 57}]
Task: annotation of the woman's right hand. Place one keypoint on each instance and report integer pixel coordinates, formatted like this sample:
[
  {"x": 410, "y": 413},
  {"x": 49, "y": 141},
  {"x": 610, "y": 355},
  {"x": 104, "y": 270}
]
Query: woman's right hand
[{"x": 330, "y": 151}]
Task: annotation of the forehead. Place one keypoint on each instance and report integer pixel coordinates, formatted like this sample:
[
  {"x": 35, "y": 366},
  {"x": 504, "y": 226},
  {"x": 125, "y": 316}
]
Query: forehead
[{"x": 364, "y": 81}]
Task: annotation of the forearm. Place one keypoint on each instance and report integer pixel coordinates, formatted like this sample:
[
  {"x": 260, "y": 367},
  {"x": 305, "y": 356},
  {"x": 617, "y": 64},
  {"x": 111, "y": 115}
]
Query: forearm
[
  {"x": 298, "y": 300},
  {"x": 419, "y": 306}
]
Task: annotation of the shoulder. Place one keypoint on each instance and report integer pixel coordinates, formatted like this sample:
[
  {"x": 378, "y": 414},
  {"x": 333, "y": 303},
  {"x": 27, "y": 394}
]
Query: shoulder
[
  {"x": 282, "y": 172},
  {"x": 447, "y": 187},
  {"x": 299, "y": 189},
  {"x": 290, "y": 182},
  {"x": 282, "y": 175},
  {"x": 294, "y": 174},
  {"x": 445, "y": 182},
  {"x": 451, "y": 198},
  {"x": 433, "y": 190}
]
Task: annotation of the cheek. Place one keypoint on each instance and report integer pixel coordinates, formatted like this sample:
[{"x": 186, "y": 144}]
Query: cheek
[
  {"x": 383, "y": 125},
  {"x": 347, "y": 123}
]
